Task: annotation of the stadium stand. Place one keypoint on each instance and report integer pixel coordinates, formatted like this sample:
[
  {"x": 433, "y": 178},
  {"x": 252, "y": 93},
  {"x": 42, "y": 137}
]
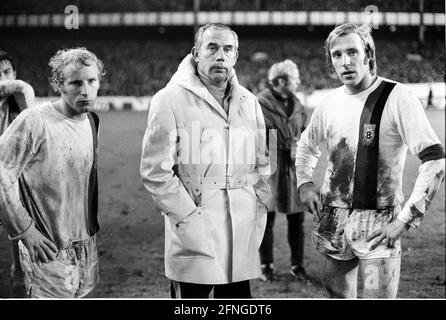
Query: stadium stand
[
  {"x": 87, "y": 6},
  {"x": 140, "y": 67}
]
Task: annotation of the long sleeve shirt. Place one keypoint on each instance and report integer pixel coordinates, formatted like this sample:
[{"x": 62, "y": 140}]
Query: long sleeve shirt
[
  {"x": 403, "y": 126},
  {"x": 53, "y": 155}
]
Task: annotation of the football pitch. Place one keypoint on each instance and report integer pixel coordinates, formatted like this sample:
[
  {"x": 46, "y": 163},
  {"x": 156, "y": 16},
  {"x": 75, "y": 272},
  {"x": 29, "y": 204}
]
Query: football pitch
[{"x": 131, "y": 239}]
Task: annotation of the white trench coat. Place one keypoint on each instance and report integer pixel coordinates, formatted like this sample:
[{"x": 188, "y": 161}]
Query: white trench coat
[{"x": 207, "y": 172}]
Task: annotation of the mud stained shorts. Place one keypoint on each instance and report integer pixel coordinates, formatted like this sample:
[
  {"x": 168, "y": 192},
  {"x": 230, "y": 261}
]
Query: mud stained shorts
[
  {"x": 341, "y": 233},
  {"x": 73, "y": 274}
]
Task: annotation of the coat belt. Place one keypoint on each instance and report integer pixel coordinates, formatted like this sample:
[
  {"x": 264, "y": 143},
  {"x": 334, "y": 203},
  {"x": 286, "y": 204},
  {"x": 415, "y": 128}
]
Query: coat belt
[{"x": 227, "y": 182}]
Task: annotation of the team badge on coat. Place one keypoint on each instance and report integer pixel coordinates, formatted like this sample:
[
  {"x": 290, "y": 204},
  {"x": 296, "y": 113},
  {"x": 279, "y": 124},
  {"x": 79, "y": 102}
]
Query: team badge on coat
[{"x": 369, "y": 134}]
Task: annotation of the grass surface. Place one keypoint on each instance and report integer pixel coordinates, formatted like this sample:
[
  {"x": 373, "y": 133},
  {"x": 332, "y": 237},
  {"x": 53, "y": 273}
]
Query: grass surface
[{"x": 131, "y": 240}]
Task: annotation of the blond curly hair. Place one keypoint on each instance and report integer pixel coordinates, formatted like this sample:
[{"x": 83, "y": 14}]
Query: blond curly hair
[{"x": 78, "y": 56}]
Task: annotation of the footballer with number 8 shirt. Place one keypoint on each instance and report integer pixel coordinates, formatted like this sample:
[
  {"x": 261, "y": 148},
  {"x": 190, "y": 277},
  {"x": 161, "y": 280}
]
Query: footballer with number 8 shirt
[{"x": 368, "y": 124}]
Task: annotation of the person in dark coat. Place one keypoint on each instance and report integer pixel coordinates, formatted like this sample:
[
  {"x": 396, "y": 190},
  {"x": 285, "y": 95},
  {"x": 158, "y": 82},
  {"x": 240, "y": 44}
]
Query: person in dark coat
[{"x": 283, "y": 113}]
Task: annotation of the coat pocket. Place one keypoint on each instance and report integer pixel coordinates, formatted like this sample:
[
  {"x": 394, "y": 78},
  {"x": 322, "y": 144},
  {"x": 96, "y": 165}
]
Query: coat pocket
[{"x": 189, "y": 236}]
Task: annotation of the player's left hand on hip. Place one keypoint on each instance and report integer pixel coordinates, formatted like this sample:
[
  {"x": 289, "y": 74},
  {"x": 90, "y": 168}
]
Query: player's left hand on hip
[{"x": 389, "y": 234}]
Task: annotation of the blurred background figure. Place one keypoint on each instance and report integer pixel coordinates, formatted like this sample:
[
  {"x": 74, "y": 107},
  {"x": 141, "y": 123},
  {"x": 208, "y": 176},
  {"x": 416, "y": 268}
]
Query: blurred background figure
[{"x": 285, "y": 114}]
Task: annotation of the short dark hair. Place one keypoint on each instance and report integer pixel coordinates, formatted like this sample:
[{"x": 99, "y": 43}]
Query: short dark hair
[
  {"x": 213, "y": 26},
  {"x": 363, "y": 31},
  {"x": 4, "y": 56}
]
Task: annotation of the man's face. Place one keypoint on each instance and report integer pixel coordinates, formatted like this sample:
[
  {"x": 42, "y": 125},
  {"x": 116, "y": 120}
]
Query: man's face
[
  {"x": 217, "y": 54},
  {"x": 292, "y": 83},
  {"x": 349, "y": 60},
  {"x": 80, "y": 88},
  {"x": 6, "y": 70}
]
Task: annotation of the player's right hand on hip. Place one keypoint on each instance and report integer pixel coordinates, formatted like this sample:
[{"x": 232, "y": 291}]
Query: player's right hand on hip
[
  {"x": 39, "y": 247},
  {"x": 310, "y": 197}
]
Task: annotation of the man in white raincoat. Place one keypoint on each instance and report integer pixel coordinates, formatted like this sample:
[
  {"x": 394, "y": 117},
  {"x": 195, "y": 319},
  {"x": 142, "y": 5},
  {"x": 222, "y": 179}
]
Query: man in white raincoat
[{"x": 205, "y": 163}]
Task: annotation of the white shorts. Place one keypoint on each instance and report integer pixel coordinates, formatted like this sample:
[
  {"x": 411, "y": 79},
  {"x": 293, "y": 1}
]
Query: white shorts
[
  {"x": 73, "y": 274},
  {"x": 341, "y": 233}
]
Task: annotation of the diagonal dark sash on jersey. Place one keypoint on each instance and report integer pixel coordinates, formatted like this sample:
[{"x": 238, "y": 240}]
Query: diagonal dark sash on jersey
[
  {"x": 366, "y": 172},
  {"x": 29, "y": 203}
]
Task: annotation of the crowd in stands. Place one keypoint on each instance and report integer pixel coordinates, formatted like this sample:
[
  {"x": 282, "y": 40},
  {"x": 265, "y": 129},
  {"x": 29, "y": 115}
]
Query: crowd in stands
[
  {"x": 86, "y": 6},
  {"x": 140, "y": 67}
]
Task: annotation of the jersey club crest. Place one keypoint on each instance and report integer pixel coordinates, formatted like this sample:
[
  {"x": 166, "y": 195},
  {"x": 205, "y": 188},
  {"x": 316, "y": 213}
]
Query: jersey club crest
[{"x": 369, "y": 134}]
